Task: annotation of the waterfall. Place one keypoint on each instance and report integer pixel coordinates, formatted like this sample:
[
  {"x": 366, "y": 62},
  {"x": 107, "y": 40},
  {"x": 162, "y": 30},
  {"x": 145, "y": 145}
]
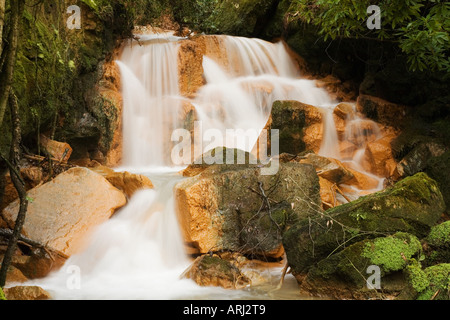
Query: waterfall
[{"x": 139, "y": 253}]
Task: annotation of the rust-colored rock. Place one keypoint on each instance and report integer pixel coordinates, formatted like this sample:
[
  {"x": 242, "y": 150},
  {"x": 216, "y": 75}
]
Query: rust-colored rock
[
  {"x": 27, "y": 294},
  {"x": 60, "y": 151},
  {"x": 32, "y": 176},
  {"x": 190, "y": 64},
  {"x": 63, "y": 212},
  {"x": 327, "y": 168},
  {"x": 127, "y": 182},
  {"x": 379, "y": 157}
]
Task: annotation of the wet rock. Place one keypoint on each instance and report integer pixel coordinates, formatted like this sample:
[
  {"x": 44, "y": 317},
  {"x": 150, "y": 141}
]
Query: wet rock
[
  {"x": 379, "y": 158},
  {"x": 223, "y": 208},
  {"x": 190, "y": 70},
  {"x": 413, "y": 205},
  {"x": 127, "y": 182},
  {"x": 27, "y": 294},
  {"x": 345, "y": 111},
  {"x": 63, "y": 212},
  {"x": 293, "y": 119},
  {"x": 331, "y": 169},
  {"x": 213, "y": 271},
  {"x": 38, "y": 265}
]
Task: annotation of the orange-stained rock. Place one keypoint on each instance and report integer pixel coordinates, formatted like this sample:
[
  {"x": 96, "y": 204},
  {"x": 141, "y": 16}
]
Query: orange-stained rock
[
  {"x": 362, "y": 131},
  {"x": 190, "y": 67},
  {"x": 63, "y": 212},
  {"x": 331, "y": 169},
  {"x": 61, "y": 151},
  {"x": 362, "y": 181},
  {"x": 25, "y": 293},
  {"x": 379, "y": 158},
  {"x": 344, "y": 110},
  {"x": 127, "y": 182},
  {"x": 347, "y": 149},
  {"x": 328, "y": 194}
]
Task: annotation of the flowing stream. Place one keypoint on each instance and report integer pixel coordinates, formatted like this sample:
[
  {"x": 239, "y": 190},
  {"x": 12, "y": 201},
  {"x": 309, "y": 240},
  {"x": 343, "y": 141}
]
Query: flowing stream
[{"x": 139, "y": 253}]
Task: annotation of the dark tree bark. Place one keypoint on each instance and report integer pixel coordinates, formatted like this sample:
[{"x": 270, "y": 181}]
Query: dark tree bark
[
  {"x": 15, "y": 156},
  {"x": 2, "y": 23},
  {"x": 7, "y": 72}
]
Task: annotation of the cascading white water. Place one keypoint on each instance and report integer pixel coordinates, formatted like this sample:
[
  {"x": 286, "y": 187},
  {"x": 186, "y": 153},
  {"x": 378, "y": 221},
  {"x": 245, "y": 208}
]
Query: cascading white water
[{"x": 139, "y": 253}]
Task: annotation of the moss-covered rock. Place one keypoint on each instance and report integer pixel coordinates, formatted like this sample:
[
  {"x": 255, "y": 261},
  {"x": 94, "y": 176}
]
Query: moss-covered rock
[
  {"x": 433, "y": 283},
  {"x": 413, "y": 205},
  {"x": 437, "y": 245},
  {"x": 346, "y": 271}
]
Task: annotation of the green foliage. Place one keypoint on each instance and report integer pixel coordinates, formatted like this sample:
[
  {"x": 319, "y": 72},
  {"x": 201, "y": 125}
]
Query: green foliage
[
  {"x": 2, "y": 295},
  {"x": 420, "y": 27}
]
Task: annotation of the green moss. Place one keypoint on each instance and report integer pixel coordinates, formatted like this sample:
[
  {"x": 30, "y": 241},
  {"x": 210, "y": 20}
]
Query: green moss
[
  {"x": 440, "y": 235},
  {"x": 417, "y": 277},
  {"x": 439, "y": 283},
  {"x": 2, "y": 295},
  {"x": 392, "y": 253}
]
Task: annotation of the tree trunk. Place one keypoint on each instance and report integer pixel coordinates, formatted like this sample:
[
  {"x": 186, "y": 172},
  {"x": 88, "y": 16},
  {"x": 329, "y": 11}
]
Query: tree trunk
[
  {"x": 2, "y": 23},
  {"x": 7, "y": 73},
  {"x": 17, "y": 180}
]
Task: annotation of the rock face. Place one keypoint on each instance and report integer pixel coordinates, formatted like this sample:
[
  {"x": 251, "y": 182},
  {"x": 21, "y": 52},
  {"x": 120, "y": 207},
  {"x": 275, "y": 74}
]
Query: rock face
[
  {"x": 300, "y": 126},
  {"x": 413, "y": 205},
  {"x": 225, "y": 207},
  {"x": 63, "y": 212}
]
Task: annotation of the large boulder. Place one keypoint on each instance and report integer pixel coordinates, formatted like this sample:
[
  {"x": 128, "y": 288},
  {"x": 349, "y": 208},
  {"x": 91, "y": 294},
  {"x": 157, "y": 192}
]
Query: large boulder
[
  {"x": 413, "y": 205},
  {"x": 62, "y": 213},
  {"x": 236, "y": 208}
]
